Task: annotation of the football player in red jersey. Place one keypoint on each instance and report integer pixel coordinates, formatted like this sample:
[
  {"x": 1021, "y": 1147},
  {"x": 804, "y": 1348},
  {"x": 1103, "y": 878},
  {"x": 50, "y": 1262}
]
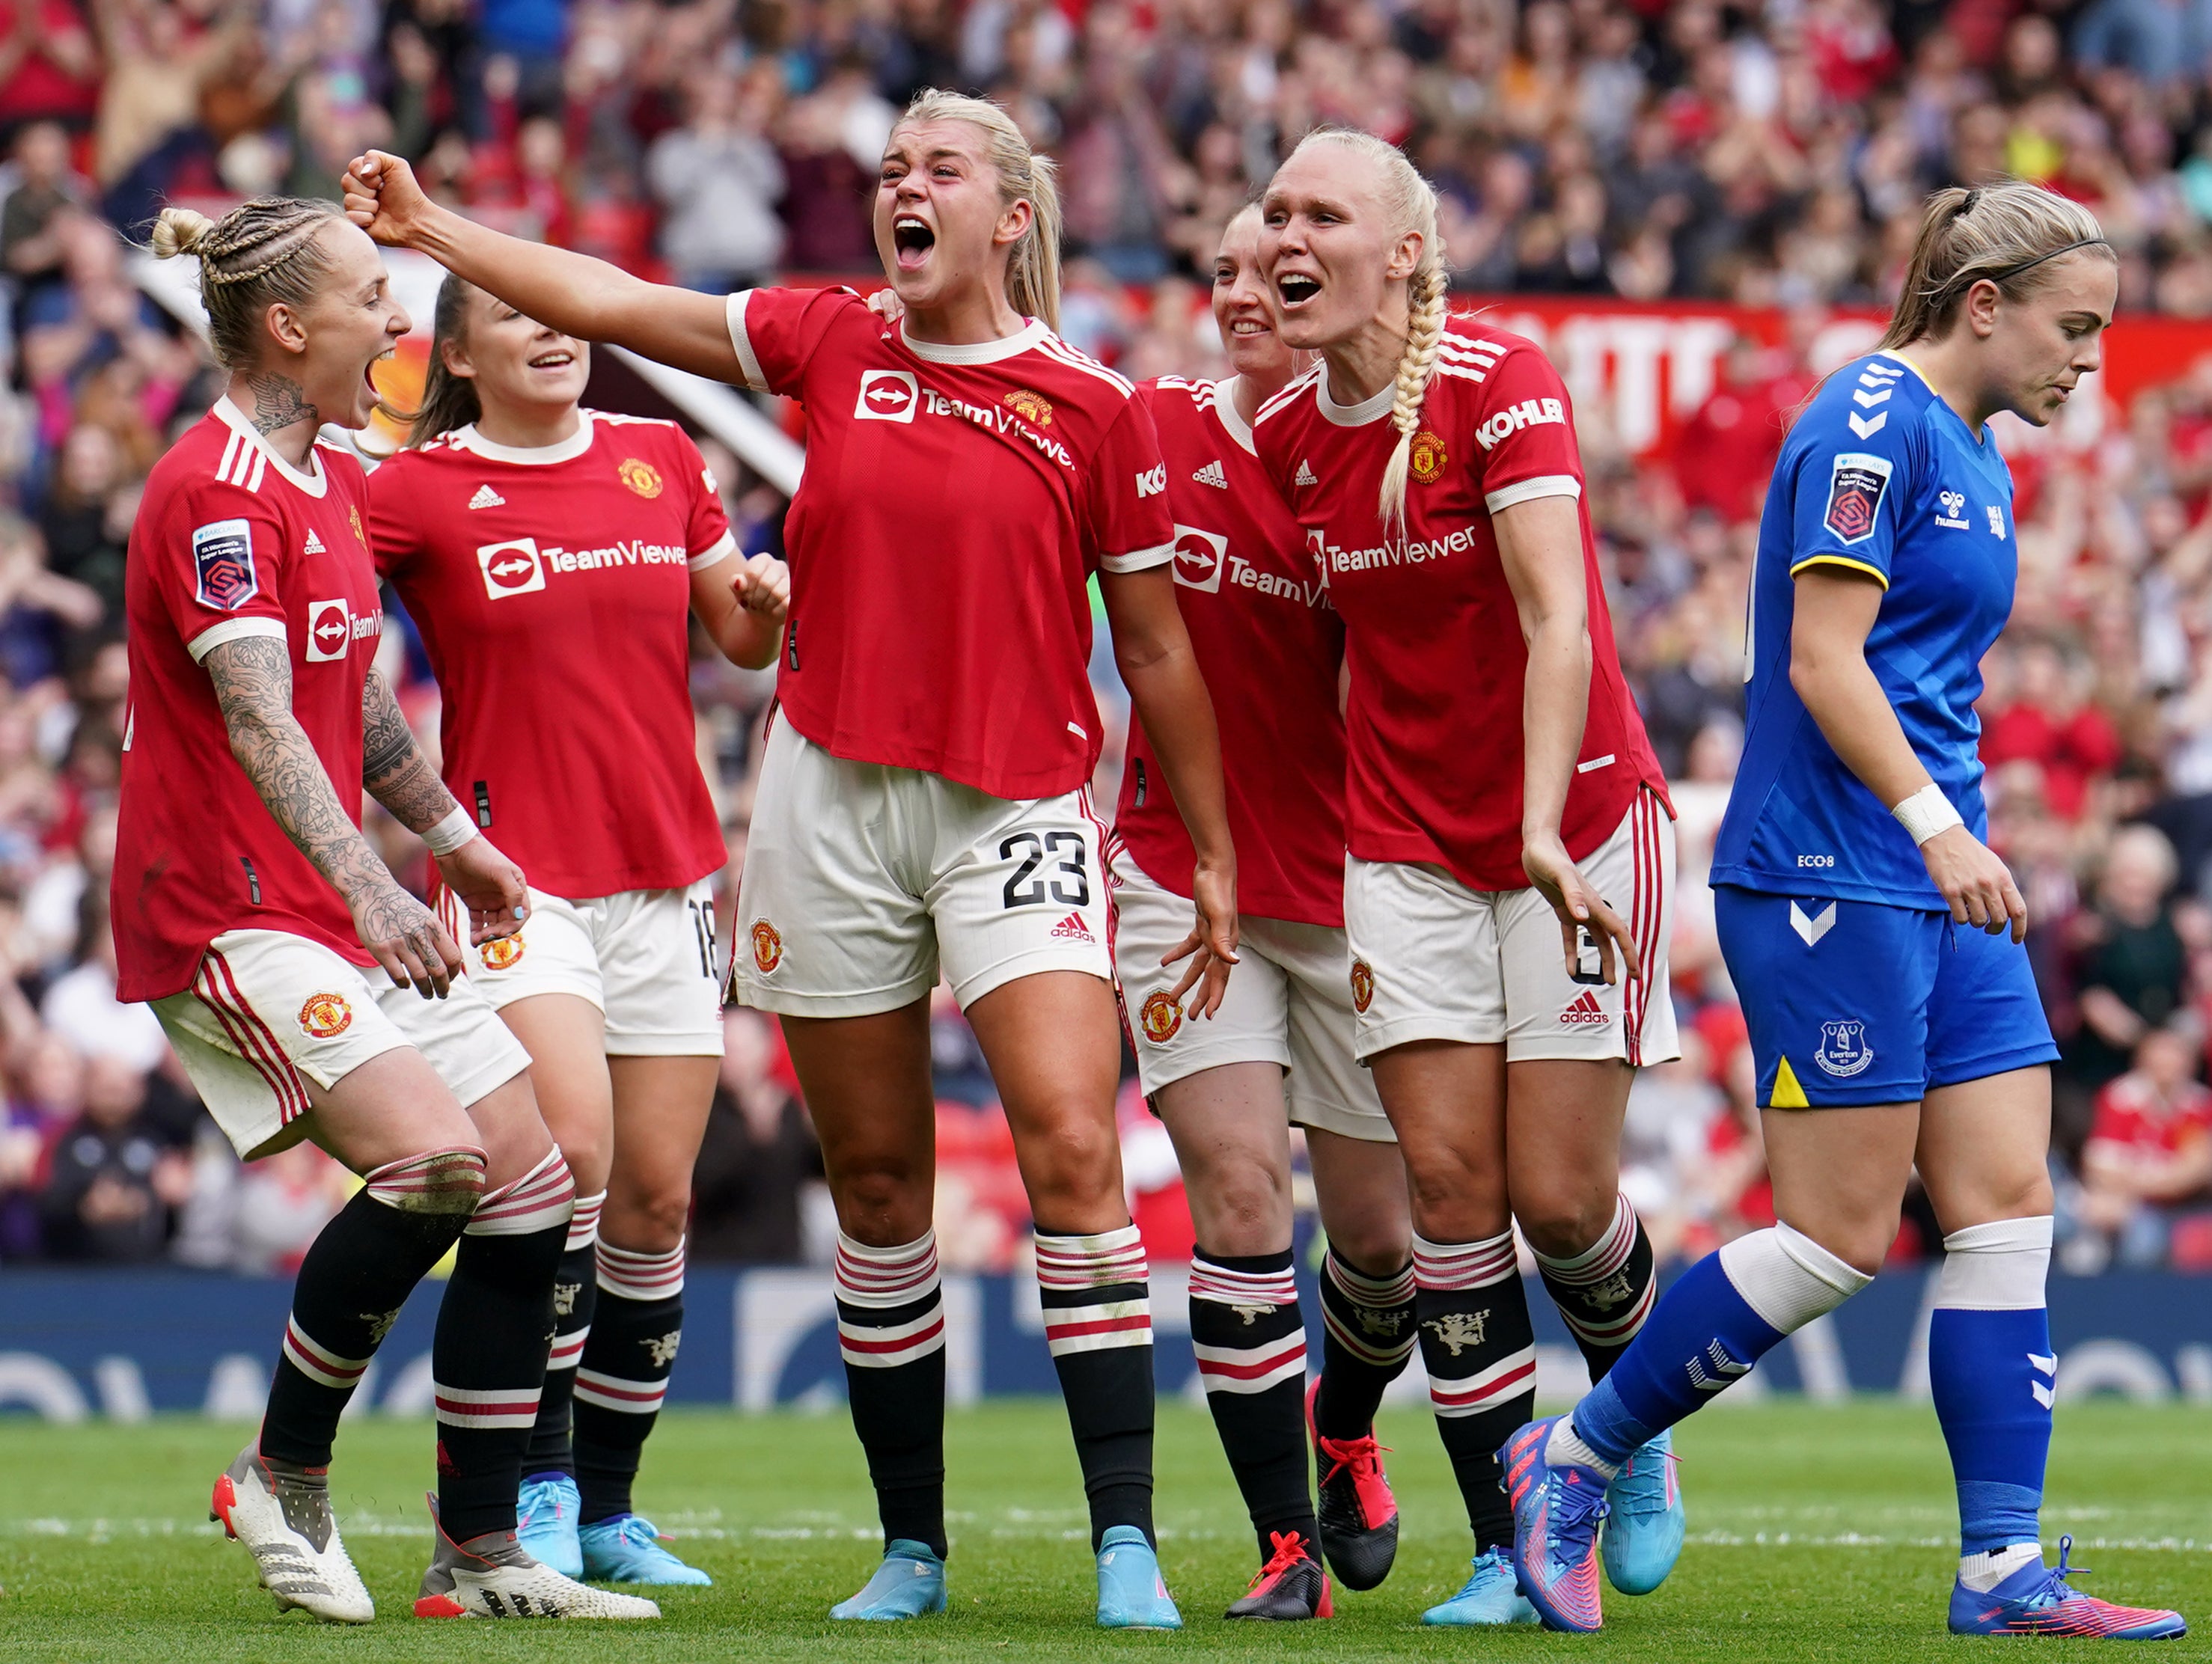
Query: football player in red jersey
[
  {"x": 1501, "y": 802},
  {"x": 284, "y": 960},
  {"x": 1271, "y": 646},
  {"x": 551, "y": 557},
  {"x": 922, "y": 804}
]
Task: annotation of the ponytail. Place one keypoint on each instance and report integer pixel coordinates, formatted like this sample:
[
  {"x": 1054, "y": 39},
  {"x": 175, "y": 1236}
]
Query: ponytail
[
  {"x": 2006, "y": 232},
  {"x": 449, "y": 400}
]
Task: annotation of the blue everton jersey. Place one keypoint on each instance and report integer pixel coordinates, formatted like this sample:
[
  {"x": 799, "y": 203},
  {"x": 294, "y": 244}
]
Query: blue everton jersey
[{"x": 1880, "y": 477}]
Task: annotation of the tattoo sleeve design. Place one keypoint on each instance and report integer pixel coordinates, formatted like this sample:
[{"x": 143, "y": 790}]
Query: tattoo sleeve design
[
  {"x": 278, "y": 402},
  {"x": 252, "y": 678},
  {"x": 393, "y": 765}
]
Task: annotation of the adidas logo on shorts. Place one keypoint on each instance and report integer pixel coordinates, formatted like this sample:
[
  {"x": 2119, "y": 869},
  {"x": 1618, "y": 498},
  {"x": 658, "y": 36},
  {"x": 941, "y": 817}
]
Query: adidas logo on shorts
[
  {"x": 1585, "y": 1013},
  {"x": 1072, "y": 929},
  {"x": 1212, "y": 473},
  {"x": 487, "y": 498}
]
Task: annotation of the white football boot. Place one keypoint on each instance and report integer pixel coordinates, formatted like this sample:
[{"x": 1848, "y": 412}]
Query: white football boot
[
  {"x": 281, "y": 1513},
  {"x": 493, "y": 1576}
]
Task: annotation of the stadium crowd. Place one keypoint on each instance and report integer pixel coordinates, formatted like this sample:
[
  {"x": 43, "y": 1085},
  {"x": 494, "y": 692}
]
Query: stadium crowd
[{"x": 1769, "y": 155}]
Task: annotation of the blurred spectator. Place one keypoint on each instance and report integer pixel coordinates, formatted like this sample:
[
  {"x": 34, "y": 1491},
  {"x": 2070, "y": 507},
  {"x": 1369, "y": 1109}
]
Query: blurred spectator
[
  {"x": 277, "y": 1206},
  {"x": 2130, "y": 964},
  {"x": 758, "y": 1155},
  {"x": 720, "y": 178},
  {"x": 2149, "y": 1152},
  {"x": 113, "y": 1183}
]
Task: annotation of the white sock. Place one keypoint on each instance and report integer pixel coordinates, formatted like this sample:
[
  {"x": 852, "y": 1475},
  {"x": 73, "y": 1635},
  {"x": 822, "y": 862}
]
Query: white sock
[
  {"x": 1565, "y": 1445},
  {"x": 1984, "y": 1572}
]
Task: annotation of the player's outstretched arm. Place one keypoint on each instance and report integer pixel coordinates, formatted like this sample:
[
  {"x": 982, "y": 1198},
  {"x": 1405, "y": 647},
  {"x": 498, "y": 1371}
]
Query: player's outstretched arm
[
  {"x": 252, "y": 678},
  {"x": 1540, "y": 544},
  {"x": 1153, "y": 651},
  {"x": 1835, "y": 611},
  {"x": 573, "y": 292},
  {"x": 397, "y": 774}
]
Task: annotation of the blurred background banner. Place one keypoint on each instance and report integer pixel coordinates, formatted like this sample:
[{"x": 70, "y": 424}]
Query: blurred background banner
[{"x": 126, "y": 1345}]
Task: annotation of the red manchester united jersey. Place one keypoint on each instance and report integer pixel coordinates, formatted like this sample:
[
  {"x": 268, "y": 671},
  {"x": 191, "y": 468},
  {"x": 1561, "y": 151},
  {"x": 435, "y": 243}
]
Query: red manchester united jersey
[
  {"x": 552, "y": 587},
  {"x": 231, "y": 541},
  {"x": 1433, "y": 637},
  {"x": 1270, "y": 645},
  {"x": 955, "y": 501}
]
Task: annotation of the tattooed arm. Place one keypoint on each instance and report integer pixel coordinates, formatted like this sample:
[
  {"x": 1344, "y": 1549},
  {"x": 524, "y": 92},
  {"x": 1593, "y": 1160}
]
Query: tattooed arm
[
  {"x": 252, "y": 678},
  {"x": 398, "y": 776}
]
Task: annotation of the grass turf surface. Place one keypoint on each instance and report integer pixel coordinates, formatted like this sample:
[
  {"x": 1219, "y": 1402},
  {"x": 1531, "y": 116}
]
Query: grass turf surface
[{"x": 1816, "y": 1533}]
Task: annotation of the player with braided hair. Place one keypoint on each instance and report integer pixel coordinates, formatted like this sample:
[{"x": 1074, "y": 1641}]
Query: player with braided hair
[
  {"x": 281, "y": 957},
  {"x": 1510, "y": 850}
]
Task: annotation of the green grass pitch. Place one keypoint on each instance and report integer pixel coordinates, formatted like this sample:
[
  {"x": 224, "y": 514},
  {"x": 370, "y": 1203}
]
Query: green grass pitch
[{"x": 1816, "y": 1533}]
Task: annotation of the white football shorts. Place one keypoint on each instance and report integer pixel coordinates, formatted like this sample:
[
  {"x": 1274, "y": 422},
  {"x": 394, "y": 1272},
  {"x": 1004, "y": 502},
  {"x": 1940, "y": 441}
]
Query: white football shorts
[
  {"x": 1434, "y": 959},
  {"x": 269, "y": 1011},
  {"x": 862, "y": 879},
  {"x": 647, "y": 958},
  {"x": 1288, "y": 1002}
]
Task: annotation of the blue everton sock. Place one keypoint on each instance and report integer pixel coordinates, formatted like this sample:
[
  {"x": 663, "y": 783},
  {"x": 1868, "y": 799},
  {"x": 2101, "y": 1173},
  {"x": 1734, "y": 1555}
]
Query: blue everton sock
[
  {"x": 1721, "y": 1317},
  {"x": 1990, "y": 1370}
]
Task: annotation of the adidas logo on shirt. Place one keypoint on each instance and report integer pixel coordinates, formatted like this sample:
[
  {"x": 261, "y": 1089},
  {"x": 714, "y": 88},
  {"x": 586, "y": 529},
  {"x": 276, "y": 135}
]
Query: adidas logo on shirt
[
  {"x": 1305, "y": 476},
  {"x": 1212, "y": 474},
  {"x": 1585, "y": 1013},
  {"x": 314, "y": 545},
  {"x": 487, "y": 498},
  {"x": 1072, "y": 929}
]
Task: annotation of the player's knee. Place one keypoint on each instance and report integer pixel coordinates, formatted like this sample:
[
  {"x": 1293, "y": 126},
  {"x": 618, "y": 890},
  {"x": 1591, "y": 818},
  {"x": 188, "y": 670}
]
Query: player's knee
[
  {"x": 448, "y": 1180},
  {"x": 1071, "y": 1168},
  {"x": 1245, "y": 1211},
  {"x": 1861, "y": 1244},
  {"x": 1450, "y": 1187},
  {"x": 1372, "y": 1248},
  {"x": 1563, "y": 1223},
  {"x": 649, "y": 1222},
  {"x": 590, "y": 1155},
  {"x": 879, "y": 1204}
]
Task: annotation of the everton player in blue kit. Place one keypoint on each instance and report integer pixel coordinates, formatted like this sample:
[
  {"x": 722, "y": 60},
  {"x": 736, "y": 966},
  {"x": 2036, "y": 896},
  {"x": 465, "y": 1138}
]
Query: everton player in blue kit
[{"x": 1874, "y": 937}]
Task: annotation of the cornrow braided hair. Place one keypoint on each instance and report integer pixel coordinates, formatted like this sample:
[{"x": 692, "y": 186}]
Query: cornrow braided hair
[{"x": 260, "y": 254}]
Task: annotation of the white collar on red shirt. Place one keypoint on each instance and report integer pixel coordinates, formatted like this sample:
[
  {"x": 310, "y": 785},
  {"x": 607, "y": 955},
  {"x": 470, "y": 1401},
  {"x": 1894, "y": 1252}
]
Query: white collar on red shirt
[
  {"x": 313, "y": 484},
  {"x": 1353, "y": 415},
  {"x": 1224, "y": 406},
  {"x": 976, "y": 352},
  {"x": 568, "y": 450}
]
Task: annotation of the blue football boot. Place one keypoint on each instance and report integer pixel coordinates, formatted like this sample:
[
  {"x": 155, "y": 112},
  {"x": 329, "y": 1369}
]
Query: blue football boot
[
  {"x": 1132, "y": 1594},
  {"x": 1556, "y": 1512},
  {"x": 627, "y": 1549},
  {"x": 545, "y": 1522},
  {"x": 909, "y": 1583},
  {"x": 1644, "y": 1522},
  {"x": 2036, "y": 1600},
  {"x": 1491, "y": 1595}
]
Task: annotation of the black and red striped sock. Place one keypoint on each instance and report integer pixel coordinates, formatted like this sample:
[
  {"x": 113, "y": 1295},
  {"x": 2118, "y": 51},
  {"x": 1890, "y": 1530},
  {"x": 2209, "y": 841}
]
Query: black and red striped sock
[
  {"x": 1367, "y": 1337},
  {"x": 1096, "y": 1291},
  {"x": 890, "y": 1329},
  {"x": 575, "y": 1290},
  {"x": 1605, "y": 1292},
  {"x": 488, "y": 1355},
  {"x": 1480, "y": 1350},
  {"x": 623, "y": 1375},
  {"x": 1250, "y": 1342},
  {"x": 357, "y": 1273}
]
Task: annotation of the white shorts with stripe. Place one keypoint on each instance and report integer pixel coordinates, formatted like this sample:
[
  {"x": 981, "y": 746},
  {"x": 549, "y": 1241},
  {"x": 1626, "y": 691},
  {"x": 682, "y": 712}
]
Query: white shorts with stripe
[
  {"x": 862, "y": 880},
  {"x": 1434, "y": 959},
  {"x": 647, "y": 958},
  {"x": 1288, "y": 1002},
  {"x": 269, "y": 1011}
]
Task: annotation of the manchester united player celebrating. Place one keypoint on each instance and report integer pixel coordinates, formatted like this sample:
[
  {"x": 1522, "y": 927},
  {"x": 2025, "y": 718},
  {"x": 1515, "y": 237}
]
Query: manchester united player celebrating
[
  {"x": 282, "y": 959},
  {"x": 1502, "y": 796},
  {"x": 550, "y": 556},
  {"x": 1271, "y": 646},
  {"x": 921, "y": 804}
]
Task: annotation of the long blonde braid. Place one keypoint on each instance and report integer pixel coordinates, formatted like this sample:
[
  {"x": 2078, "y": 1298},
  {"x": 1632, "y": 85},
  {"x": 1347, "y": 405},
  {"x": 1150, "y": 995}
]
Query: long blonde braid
[{"x": 1409, "y": 204}]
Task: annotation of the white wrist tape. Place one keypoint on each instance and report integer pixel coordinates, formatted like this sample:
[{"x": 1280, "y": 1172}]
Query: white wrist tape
[
  {"x": 1926, "y": 812},
  {"x": 451, "y": 833}
]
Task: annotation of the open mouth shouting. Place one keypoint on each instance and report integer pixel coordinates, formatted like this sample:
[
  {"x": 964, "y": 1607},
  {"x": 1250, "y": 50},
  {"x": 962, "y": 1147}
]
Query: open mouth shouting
[
  {"x": 1295, "y": 289},
  {"x": 912, "y": 239}
]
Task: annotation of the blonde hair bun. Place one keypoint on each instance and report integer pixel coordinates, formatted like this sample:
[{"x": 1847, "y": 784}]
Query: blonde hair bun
[{"x": 179, "y": 231}]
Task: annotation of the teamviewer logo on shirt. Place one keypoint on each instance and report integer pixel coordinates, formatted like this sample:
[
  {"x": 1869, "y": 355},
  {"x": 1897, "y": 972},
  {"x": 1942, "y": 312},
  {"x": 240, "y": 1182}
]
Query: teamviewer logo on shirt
[
  {"x": 330, "y": 631},
  {"x": 1198, "y": 558},
  {"x": 512, "y": 568},
  {"x": 887, "y": 396}
]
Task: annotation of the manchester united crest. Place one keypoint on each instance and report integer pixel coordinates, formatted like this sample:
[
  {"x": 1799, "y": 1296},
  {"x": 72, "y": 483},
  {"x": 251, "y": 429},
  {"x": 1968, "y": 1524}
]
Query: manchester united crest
[
  {"x": 768, "y": 946},
  {"x": 359, "y": 535},
  {"x": 1363, "y": 986},
  {"x": 1428, "y": 459},
  {"x": 1160, "y": 1016},
  {"x": 501, "y": 952},
  {"x": 641, "y": 477},
  {"x": 325, "y": 1015},
  {"x": 1035, "y": 406}
]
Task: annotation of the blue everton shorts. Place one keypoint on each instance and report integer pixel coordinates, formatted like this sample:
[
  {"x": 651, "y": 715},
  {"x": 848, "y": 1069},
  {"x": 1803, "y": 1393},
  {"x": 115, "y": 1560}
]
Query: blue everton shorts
[{"x": 1855, "y": 1003}]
